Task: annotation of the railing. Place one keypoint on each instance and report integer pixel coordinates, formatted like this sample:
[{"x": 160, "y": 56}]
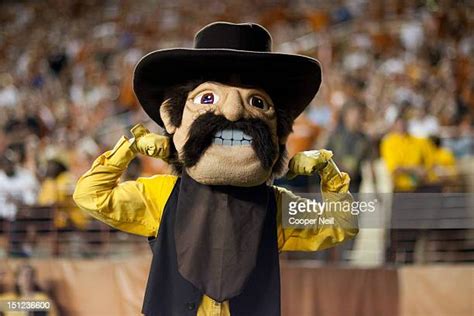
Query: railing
[
  {"x": 424, "y": 228},
  {"x": 34, "y": 233},
  {"x": 432, "y": 227}
]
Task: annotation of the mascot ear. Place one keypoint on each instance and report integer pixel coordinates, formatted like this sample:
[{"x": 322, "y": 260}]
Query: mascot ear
[{"x": 166, "y": 118}]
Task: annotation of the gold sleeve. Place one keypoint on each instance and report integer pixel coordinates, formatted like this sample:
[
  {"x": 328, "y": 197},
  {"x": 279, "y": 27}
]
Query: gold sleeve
[{"x": 133, "y": 206}]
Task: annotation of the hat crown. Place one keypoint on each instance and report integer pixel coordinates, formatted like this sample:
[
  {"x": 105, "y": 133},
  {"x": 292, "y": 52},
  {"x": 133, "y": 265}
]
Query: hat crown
[{"x": 243, "y": 36}]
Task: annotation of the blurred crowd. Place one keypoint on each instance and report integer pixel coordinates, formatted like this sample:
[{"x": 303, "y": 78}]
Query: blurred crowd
[{"x": 398, "y": 86}]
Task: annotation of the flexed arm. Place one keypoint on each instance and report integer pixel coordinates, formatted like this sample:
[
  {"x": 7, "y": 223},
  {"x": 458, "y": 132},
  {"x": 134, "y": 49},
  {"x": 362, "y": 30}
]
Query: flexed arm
[
  {"x": 132, "y": 206},
  {"x": 334, "y": 187}
]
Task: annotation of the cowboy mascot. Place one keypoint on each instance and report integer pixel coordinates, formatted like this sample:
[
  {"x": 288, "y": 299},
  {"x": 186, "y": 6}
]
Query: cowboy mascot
[{"x": 215, "y": 226}]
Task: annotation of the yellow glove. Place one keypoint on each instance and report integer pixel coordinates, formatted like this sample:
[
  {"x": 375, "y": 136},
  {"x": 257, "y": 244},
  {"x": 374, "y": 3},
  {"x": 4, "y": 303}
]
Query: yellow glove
[
  {"x": 309, "y": 162},
  {"x": 148, "y": 143},
  {"x": 306, "y": 163}
]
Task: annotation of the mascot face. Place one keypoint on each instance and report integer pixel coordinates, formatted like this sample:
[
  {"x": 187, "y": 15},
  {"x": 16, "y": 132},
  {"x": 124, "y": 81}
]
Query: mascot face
[{"x": 227, "y": 135}]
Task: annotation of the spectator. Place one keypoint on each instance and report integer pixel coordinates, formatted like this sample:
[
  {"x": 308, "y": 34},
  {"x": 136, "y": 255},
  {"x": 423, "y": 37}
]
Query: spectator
[
  {"x": 423, "y": 124},
  {"x": 444, "y": 170},
  {"x": 462, "y": 142},
  {"x": 8, "y": 92},
  {"x": 18, "y": 186},
  {"x": 407, "y": 158},
  {"x": 56, "y": 190},
  {"x": 349, "y": 145}
]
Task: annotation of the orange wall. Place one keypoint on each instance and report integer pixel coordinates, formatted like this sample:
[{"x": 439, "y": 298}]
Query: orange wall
[{"x": 116, "y": 287}]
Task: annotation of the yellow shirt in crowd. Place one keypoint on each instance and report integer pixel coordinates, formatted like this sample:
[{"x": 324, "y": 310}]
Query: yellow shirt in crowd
[
  {"x": 406, "y": 151},
  {"x": 137, "y": 207},
  {"x": 58, "y": 192},
  {"x": 444, "y": 158}
]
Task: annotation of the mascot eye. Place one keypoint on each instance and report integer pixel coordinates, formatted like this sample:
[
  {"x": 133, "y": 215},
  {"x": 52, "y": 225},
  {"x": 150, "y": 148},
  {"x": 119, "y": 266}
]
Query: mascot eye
[
  {"x": 206, "y": 98},
  {"x": 258, "y": 102}
]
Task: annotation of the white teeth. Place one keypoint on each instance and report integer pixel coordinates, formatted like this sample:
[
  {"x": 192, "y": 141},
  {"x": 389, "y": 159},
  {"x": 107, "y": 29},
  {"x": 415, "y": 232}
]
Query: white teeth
[
  {"x": 232, "y": 137},
  {"x": 237, "y": 134},
  {"x": 227, "y": 134}
]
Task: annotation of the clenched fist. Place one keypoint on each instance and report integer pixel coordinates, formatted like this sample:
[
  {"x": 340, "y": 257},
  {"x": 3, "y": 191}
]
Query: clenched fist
[
  {"x": 312, "y": 161},
  {"x": 148, "y": 143},
  {"x": 306, "y": 163}
]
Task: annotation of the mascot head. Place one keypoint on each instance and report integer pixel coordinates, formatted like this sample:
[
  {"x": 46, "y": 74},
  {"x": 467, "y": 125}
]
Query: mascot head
[{"x": 228, "y": 104}]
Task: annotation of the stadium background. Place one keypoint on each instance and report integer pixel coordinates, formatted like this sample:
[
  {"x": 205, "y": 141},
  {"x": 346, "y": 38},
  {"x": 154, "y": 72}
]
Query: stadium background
[{"x": 390, "y": 68}]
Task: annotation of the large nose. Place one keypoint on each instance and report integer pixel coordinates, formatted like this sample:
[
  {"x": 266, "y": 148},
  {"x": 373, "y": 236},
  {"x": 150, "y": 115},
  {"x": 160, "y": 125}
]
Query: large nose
[{"x": 233, "y": 107}]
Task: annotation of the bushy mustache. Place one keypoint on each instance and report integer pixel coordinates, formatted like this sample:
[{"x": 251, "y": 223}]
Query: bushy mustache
[{"x": 203, "y": 129}]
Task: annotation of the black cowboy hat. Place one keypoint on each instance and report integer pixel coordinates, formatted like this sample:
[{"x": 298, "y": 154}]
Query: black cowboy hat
[{"x": 222, "y": 51}]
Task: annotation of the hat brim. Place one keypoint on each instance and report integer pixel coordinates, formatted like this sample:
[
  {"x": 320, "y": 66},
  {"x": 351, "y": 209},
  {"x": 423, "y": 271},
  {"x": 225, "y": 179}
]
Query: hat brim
[{"x": 292, "y": 81}]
